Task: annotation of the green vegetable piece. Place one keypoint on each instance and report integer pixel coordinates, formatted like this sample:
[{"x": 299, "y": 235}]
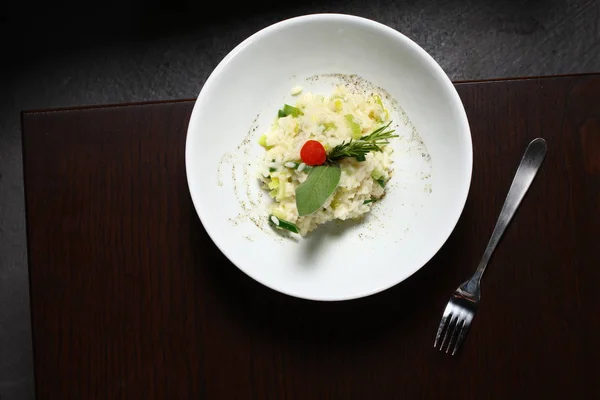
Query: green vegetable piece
[
  {"x": 354, "y": 126},
  {"x": 378, "y": 100},
  {"x": 376, "y": 174},
  {"x": 280, "y": 191},
  {"x": 380, "y": 103},
  {"x": 283, "y": 224},
  {"x": 378, "y": 177},
  {"x": 289, "y": 110},
  {"x": 361, "y": 157},
  {"x": 316, "y": 189},
  {"x": 368, "y": 201},
  {"x": 328, "y": 126},
  {"x": 263, "y": 142}
]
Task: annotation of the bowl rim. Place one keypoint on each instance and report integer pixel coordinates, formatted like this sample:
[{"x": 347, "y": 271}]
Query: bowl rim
[{"x": 462, "y": 121}]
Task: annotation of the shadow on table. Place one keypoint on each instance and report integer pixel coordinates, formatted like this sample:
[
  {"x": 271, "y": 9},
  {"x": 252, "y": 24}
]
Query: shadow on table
[{"x": 411, "y": 303}]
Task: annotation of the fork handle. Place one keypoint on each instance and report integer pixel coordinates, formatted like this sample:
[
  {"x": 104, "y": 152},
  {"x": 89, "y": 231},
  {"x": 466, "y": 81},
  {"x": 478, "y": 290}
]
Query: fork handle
[{"x": 528, "y": 168}]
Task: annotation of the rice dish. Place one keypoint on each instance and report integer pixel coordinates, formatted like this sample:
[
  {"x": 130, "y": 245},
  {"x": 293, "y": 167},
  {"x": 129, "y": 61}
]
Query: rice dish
[{"x": 344, "y": 119}]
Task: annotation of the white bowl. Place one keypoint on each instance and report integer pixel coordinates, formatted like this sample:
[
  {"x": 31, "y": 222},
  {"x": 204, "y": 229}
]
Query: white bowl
[{"x": 432, "y": 160}]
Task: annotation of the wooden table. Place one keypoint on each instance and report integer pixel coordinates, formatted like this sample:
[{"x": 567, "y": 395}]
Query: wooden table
[{"x": 130, "y": 299}]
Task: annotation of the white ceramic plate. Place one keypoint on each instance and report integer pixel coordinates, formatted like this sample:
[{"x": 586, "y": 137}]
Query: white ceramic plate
[{"x": 432, "y": 160}]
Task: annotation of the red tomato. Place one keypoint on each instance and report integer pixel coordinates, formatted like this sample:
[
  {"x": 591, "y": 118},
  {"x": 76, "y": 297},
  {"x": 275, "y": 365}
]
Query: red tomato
[{"x": 313, "y": 153}]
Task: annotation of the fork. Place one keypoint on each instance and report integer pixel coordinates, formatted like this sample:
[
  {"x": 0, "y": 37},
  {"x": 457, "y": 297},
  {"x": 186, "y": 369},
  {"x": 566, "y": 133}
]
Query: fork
[{"x": 463, "y": 303}]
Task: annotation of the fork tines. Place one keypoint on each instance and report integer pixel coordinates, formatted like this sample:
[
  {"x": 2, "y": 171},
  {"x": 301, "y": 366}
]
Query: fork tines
[{"x": 454, "y": 325}]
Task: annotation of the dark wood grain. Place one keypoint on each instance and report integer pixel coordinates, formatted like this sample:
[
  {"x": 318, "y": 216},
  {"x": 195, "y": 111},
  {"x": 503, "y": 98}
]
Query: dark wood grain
[{"x": 131, "y": 299}]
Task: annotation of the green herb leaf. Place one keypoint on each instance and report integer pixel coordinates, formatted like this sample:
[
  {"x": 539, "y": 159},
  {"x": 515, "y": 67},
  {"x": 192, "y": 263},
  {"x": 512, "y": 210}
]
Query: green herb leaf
[
  {"x": 365, "y": 144},
  {"x": 316, "y": 189}
]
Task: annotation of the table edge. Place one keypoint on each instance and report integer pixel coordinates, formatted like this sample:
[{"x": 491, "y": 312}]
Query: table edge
[{"x": 26, "y": 112}]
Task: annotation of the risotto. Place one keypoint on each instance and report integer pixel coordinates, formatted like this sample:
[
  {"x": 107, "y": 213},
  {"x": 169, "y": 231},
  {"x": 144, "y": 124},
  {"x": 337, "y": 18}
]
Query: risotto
[{"x": 326, "y": 158}]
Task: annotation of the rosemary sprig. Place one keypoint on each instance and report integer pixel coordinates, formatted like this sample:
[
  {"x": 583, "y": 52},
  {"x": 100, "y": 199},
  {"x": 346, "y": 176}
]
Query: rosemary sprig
[{"x": 365, "y": 144}]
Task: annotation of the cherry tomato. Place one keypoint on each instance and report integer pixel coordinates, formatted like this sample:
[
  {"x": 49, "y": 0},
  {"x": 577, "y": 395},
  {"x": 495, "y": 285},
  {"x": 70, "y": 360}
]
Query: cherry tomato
[{"x": 313, "y": 153}]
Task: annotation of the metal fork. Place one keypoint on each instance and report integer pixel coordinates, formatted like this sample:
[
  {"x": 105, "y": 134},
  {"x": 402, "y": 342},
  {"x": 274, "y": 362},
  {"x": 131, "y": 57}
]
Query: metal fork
[{"x": 463, "y": 303}]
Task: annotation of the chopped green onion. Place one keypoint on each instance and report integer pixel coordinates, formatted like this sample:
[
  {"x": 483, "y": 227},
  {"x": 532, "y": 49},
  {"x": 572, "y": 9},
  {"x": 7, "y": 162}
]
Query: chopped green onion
[
  {"x": 281, "y": 190},
  {"x": 263, "y": 142},
  {"x": 378, "y": 177},
  {"x": 274, "y": 184},
  {"x": 289, "y": 110},
  {"x": 376, "y": 174},
  {"x": 368, "y": 201},
  {"x": 283, "y": 224},
  {"x": 385, "y": 110},
  {"x": 328, "y": 125},
  {"x": 354, "y": 126}
]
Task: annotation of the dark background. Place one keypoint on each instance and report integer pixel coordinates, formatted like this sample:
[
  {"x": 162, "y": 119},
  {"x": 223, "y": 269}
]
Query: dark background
[{"x": 60, "y": 54}]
